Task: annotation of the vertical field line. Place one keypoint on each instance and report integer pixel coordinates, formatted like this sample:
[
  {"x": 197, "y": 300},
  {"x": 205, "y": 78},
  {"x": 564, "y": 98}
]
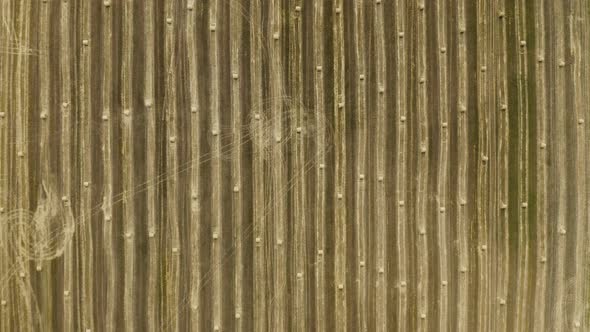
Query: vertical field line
[
  {"x": 559, "y": 251},
  {"x": 151, "y": 170},
  {"x": 172, "y": 236},
  {"x": 20, "y": 302},
  {"x": 107, "y": 156},
  {"x": 320, "y": 147},
  {"x": 482, "y": 169},
  {"x": 462, "y": 227},
  {"x": 381, "y": 210},
  {"x": 85, "y": 245},
  {"x": 522, "y": 291},
  {"x": 422, "y": 111},
  {"x": 22, "y": 109},
  {"x": 46, "y": 287},
  {"x": 402, "y": 152},
  {"x": 195, "y": 170},
  {"x": 442, "y": 186},
  {"x": 340, "y": 245},
  {"x": 216, "y": 197},
  {"x": 5, "y": 83},
  {"x": 583, "y": 21},
  {"x": 128, "y": 163},
  {"x": 278, "y": 173},
  {"x": 236, "y": 160},
  {"x": 296, "y": 112},
  {"x": 66, "y": 147},
  {"x": 503, "y": 251},
  {"x": 540, "y": 290},
  {"x": 360, "y": 160},
  {"x": 581, "y": 299},
  {"x": 260, "y": 280}
]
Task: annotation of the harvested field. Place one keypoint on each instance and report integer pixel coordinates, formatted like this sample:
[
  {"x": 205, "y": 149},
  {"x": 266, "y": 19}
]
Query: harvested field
[{"x": 294, "y": 165}]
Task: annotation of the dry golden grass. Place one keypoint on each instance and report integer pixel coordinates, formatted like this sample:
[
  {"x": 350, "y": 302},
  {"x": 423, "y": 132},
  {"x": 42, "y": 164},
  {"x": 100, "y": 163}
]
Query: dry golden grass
[{"x": 294, "y": 165}]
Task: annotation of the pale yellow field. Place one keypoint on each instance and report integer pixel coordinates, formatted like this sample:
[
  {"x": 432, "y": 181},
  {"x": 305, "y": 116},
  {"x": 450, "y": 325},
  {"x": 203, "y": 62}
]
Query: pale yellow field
[{"x": 294, "y": 165}]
